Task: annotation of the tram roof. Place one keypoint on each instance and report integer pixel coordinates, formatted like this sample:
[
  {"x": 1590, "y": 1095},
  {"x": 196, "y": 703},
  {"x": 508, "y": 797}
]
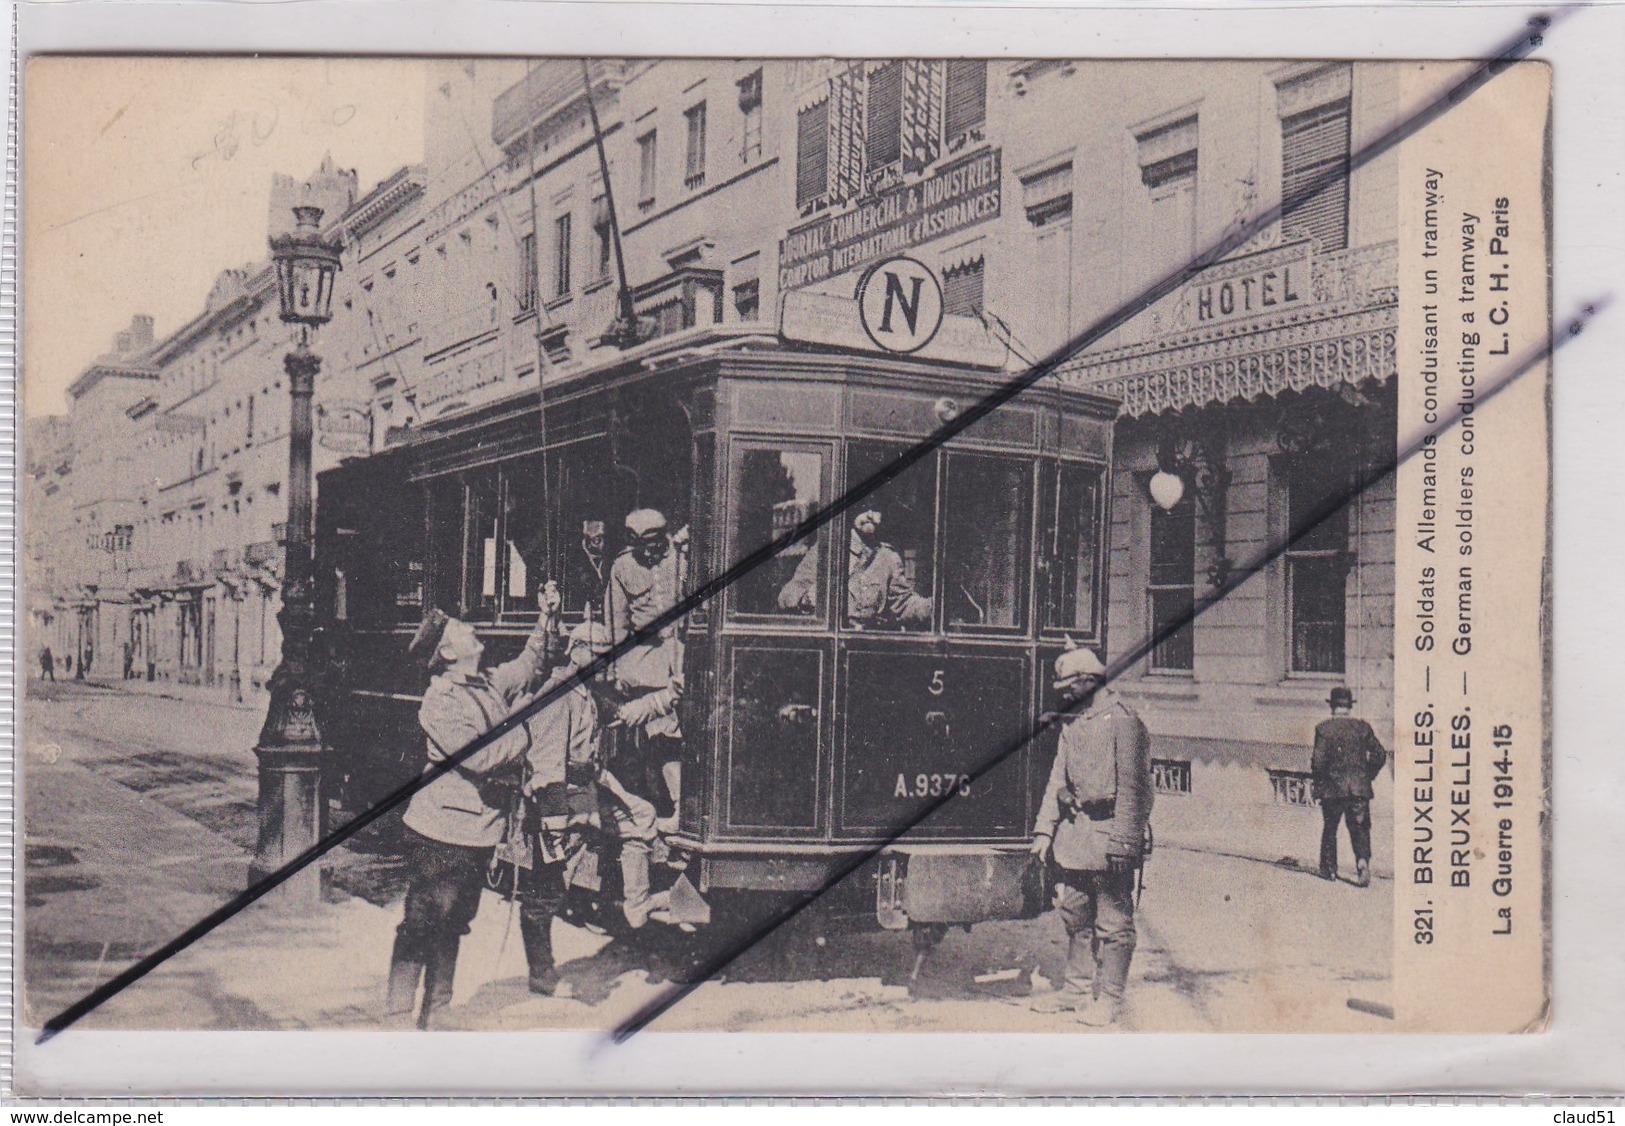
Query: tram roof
[{"x": 699, "y": 344}]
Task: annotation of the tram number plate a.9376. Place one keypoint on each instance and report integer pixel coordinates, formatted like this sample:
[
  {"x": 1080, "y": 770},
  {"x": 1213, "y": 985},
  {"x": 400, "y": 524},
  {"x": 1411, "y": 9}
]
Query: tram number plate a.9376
[{"x": 932, "y": 786}]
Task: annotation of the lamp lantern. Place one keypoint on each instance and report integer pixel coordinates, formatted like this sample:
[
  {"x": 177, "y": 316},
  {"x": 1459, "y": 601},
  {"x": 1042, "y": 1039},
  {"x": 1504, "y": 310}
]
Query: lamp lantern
[
  {"x": 1167, "y": 489},
  {"x": 305, "y": 266}
]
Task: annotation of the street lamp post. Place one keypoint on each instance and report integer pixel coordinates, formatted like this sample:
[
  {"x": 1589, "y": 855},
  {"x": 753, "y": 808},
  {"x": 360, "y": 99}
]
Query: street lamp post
[{"x": 290, "y": 743}]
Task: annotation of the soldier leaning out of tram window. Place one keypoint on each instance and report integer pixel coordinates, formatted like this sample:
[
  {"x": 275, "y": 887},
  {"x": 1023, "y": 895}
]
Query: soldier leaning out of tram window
[
  {"x": 1091, "y": 826},
  {"x": 645, "y": 583},
  {"x": 878, "y": 589},
  {"x": 456, "y": 821}
]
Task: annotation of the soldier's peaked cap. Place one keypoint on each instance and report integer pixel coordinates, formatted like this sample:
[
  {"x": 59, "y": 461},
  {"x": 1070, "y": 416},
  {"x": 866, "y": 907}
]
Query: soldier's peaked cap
[
  {"x": 642, "y": 521},
  {"x": 594, "y": 635},
  {"x": 425, "y": 643},
  {"x": 1076, "y": 663}
]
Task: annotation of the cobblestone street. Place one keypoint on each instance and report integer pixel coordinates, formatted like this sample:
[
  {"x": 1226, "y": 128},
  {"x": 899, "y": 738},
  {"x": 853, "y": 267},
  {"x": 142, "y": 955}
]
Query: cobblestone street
[{"x": 140, "y": 819}]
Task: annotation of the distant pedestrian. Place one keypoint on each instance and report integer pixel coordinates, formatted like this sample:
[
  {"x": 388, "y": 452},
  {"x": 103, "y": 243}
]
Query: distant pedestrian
[
  {"x": 1092, "y": 828},
  {"x": 1346, "y": 759},
  {"x": 129, "y": 658},
  {"x": 47, "y": 665}
]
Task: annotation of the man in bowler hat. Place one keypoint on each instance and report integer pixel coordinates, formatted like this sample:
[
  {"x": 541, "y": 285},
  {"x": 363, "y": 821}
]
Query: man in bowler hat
[{"x": 1346, "y": 759}]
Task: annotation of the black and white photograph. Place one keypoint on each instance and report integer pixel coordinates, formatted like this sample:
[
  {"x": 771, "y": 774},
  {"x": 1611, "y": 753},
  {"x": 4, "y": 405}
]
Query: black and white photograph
[{"x": 786, "y": 545}]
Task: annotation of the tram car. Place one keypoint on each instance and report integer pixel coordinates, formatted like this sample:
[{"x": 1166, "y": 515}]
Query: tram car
[{"x": 827, "y": 707}]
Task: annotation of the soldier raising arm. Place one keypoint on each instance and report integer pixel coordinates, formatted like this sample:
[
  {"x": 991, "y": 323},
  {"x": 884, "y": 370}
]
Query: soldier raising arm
[{"x": 455, "y": 822}]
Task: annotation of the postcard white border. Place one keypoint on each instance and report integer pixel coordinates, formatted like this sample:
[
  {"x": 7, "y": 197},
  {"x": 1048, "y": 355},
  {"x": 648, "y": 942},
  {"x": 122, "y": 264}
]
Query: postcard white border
[{"x": 1582, "y": 1052}]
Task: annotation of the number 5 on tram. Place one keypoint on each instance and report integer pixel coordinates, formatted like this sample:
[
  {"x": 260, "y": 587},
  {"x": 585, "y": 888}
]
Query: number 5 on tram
[{"x": 834, "y": 694}]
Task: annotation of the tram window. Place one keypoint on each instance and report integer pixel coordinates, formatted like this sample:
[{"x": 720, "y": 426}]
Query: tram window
[
  {"x": 524, "y": 534},
  {"x": 480, "y": 572},
  {"x": 385, "y": 570},
  {"x": 446, "y": 544},
  {"x": 1068, "y": 548},
  {"x": 987, "y": 508},
  {"x": 778, "y": 489},
  {"x": 891, "y": 542}
]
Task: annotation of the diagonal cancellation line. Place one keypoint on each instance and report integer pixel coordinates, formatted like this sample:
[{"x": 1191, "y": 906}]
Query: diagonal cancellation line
[
  {"x": 1240, "y": 574},
  {"x": 1511, "y": 51}
]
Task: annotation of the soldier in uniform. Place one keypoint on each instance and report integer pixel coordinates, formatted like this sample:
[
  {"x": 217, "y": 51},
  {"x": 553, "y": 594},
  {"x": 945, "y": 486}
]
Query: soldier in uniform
[
  {"x": 565, "y": 757},
  {"x": 878, "y": 589},
  {"x": 1346, "y": 759},
  {"x": 566, "y": 761},
  {"x": 1091, "y": 827},
  {"x": 455, "y": 822},
  {"x": 645, "y": 583},
  {"x": 587, "y": 571}
]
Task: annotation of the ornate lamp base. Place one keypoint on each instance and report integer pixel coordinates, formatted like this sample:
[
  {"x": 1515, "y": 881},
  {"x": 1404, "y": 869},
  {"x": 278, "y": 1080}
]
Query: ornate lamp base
[
  {"x": 290, "y": 768},
  {"x": 290, "y": 818}
]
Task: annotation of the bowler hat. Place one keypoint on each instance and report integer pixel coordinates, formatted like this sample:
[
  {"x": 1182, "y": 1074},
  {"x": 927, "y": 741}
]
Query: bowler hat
[{"x": 1341, "y": 697}]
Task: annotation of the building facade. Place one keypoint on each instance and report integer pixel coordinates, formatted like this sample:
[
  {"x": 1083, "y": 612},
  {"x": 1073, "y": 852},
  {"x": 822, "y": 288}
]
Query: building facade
[
  {"x": 174, "y": 470},
  {"x": 750, "y": 197}
]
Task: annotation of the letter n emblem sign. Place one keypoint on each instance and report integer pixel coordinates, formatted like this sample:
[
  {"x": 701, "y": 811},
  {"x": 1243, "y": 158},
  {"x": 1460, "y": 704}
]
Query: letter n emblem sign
[{"x": 900, "y": 303}]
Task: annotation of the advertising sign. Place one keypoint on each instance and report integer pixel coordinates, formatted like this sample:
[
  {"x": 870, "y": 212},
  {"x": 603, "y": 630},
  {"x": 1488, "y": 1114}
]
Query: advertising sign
[
  {"x": 344, "y": 426},
  {"x": 958, "y": 195}
]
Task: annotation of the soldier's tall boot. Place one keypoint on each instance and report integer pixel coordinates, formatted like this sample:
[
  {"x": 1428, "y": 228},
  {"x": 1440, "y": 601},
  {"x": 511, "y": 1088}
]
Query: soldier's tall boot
[
  {"x": 439, "y": 972},
  {"x": 405, "y": 972},
  {"x": 1109, "y": 985},
  {"x": 537, "y": 934}
]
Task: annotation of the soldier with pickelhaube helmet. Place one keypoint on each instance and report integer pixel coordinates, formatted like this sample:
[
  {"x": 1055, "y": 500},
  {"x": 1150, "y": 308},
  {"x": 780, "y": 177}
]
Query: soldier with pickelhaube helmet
[{"x": 1092, "y": 830}]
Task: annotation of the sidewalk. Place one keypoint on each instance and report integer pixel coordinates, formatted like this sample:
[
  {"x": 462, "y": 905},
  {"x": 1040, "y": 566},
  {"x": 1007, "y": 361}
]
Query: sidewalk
[{"x": 218, "y": 695}]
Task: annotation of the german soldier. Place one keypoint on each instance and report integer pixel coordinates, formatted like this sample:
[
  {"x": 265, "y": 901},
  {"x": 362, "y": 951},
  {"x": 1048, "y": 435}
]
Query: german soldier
[
  {"x": 587, "y": 572},
  {"x": 1346, "y": 759},
  {"x": 1092, "y": 827},
  {"x": 645, "y": 583},
  {"x": 455, "y": 822},
  {"x": 565, "y": 756},
  {"x": 878, "y": 590}
]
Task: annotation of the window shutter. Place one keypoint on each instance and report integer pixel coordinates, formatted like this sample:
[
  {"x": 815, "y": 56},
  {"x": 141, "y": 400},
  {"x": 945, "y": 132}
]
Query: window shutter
[
  {"x": 885, "y": 117},
  {"x": 1314, "y": 146},
  {"x": 967, "y": 95},
  {"x": 812, "y": 152}
]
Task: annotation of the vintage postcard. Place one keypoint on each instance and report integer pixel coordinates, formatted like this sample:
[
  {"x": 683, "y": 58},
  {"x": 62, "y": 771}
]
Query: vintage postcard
[{"x": 795, "y": 545}]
